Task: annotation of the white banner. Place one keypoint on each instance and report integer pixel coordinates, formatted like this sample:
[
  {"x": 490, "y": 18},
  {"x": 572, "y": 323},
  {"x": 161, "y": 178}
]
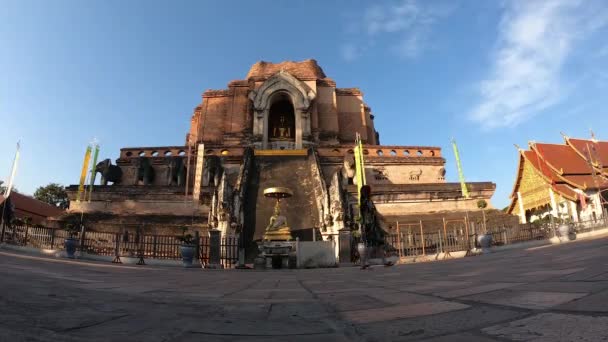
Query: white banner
[
  {"x": 13, "y": 172},
  {"x": 198, "y": 175}
]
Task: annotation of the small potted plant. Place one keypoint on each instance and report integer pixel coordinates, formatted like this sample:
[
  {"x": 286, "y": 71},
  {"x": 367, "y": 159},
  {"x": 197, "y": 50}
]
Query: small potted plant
[
  {"x": 71, "y": 241},
  {"x": 188, "y": 248}
]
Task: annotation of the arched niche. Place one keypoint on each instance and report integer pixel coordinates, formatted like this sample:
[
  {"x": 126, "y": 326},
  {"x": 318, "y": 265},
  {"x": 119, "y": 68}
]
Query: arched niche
[
  {"x": 281, "y": 120},
  {"x": 281, "y": 88}
]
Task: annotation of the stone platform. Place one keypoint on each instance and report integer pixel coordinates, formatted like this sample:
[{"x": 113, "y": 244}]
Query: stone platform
[{"x": 547, "y": 293}]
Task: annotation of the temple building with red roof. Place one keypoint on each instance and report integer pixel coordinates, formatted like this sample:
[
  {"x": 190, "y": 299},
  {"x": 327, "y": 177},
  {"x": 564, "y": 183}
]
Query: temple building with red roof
[
  {"x": 24, "y": 206},
  {"x": 567, "y": 181}
]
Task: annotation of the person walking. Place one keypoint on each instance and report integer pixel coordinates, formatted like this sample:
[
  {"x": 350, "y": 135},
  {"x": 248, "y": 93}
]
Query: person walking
[{"x": 372, "y": 235}]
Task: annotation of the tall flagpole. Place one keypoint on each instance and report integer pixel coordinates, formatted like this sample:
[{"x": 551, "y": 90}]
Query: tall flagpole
[
  {"x": 9, "y": 188},
  {"x": 13, "y": 172}
]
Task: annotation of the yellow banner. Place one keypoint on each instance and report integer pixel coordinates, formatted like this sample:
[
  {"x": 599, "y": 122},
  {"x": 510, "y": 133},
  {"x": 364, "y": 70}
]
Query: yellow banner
[
  {"x": 198, "y": 175},
  {"x": 463, "y": 184},
  {"x": 359, "y": 167},
  {"x": 83, "y": 173}
]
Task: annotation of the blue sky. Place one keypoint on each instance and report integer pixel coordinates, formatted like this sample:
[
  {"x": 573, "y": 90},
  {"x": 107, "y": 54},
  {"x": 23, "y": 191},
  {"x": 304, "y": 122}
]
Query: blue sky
[{"x": 490, "y": 74}]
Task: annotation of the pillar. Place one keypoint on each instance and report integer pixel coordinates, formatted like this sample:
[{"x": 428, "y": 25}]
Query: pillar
[
  {"x": 522, "y": 212},
  {"x": 574, "y": 209},
  {"x": 554, "y": 208}
]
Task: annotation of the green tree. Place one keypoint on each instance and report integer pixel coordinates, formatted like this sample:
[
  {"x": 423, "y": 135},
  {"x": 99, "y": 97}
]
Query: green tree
[{"x": 53, "y": 194}]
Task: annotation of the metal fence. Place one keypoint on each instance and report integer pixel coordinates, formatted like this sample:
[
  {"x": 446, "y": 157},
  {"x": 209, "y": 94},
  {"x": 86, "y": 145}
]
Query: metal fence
[
  {"x": 417, "y": 239},
  {"x": 117, "y": 245}
]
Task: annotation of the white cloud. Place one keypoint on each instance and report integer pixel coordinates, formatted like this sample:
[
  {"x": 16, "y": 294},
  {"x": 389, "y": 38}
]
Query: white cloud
[
  {"x": 535, "y": 40},
  {"x": 408, "y": 23}
]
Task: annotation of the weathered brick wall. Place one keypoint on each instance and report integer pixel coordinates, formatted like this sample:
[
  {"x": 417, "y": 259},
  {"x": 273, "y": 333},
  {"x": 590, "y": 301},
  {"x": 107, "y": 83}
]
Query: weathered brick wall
[
  {"x": 350, "y": 117},
  {"x": 327, "y": 112}
]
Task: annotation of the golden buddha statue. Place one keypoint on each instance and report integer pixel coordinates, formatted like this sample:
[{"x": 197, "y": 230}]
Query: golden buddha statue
[
  {"x": 282, "y": 130},
  {"x": 277, "y": 229}
]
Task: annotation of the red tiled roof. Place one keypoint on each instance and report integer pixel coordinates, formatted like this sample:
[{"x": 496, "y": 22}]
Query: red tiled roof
[
  {"x": 587, "y": 181},
  {"x": 565, "y": 191},
  {"x": 562, "y": 158},
  {"x": 26, "y": 206},
  {"x": 601, "y": 149},
  {"x": 540, "y": 165}
]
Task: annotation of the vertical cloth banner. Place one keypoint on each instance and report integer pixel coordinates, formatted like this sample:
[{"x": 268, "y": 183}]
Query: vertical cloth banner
[
  {"x": 463, "y": 184},
  {"x": 83, "y": 173},
  {"x": 11, "y": 180},
  {"x": 93, "y": 173},
  {"x": 359, "y": 167},
  {"x": 198, "y": 175}
]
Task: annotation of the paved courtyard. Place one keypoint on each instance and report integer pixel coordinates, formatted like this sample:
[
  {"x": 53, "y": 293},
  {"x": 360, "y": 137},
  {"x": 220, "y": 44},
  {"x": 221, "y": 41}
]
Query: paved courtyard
[{"x": 555, "y": 293}]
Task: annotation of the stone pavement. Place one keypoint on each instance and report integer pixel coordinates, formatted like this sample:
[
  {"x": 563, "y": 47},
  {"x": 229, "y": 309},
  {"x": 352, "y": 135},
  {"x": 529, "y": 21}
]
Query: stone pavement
[{"x": 550, "y": 293}]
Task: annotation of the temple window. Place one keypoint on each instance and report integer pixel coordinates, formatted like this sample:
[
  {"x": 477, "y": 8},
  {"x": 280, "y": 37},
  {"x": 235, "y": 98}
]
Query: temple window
[
  {"x": 168, "y": 153},
  {"x": 406, "y": 153},
  {"x": 155, "y": 154},
  {"x": 141, "y": 153},
  {"x": 380, "y": 153},
  {"x": 182, "y": 153},
  {"x": 393, "y": 153},
  {"x": 419, "y": 153}
]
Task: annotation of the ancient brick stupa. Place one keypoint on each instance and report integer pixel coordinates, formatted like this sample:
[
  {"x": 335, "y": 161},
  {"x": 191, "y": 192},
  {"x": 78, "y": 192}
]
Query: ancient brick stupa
[{"x": 285, "y": 125}]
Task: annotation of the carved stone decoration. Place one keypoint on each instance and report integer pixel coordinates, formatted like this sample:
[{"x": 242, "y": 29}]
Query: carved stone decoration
[
  {"x": 240, "y": 191},
  {"x": 441, "y": 175},
  {"x": 222, "y": 206},
  {"x": 320, "y": 189},
  {"x": 212, "y": 171},
  {"x": 227, "y": 203},
  {"x": 380, "y": 174},
  {"x": 145, "y": 171},
  {"x": 415, "y": 175},
  {"x": 176, "y": 173},
  {"x": 109, "y": 172},
  {"x": 337, "y": 211}
]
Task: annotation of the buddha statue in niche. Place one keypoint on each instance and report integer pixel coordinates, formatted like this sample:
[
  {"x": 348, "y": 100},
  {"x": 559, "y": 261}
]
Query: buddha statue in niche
[{"x": 282, "y": 130}]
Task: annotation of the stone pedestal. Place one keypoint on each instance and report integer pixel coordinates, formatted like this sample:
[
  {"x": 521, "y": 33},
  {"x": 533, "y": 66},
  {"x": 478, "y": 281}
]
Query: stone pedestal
[
  {"x": 344, "y": 241},
  {"x": 276, "y": 254}
]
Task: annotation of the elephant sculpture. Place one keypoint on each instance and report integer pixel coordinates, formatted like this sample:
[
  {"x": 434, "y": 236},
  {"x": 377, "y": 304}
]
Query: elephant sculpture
[
  {"x": 348, "y": 169},
  {"x": 145, "y": 172},
  {"x": 109, "y": 172},
  {"x": 176, "y": 174},
  {"x": 213, "y": 171}
]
